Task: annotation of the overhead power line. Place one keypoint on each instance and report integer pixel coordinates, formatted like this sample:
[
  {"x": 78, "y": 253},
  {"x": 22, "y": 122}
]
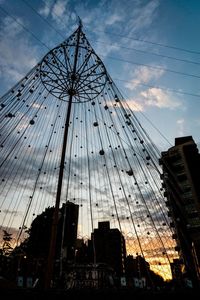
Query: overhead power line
[
  {"x": 142, "y": 84},
  {"x": 159, "y": 87},
  {"x": 45, "y": 20},
  {"x": 149, "y": 53},
  {"x": 149, "y": 42},
  {"x": 105, "y": 43},
  {"x": 132, "y": 38},
  {"x": 150, "y": 66},
  {"x": 25, "y": 28},
  {"x": 142, "y": 51}
]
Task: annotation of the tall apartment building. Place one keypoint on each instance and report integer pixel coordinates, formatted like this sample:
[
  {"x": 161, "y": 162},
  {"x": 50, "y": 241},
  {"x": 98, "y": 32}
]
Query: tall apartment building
[
  {"x": 181, "y": 181},
  {"x": 109, "y": 246},
  {"x": 69, "y": 219}
]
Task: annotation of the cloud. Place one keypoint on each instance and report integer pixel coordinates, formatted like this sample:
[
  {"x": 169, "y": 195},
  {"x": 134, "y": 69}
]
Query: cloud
[
  {"x": 60, "y": 14},
  {"x": 12, "y": 212},
  {"x": 46, "y": 9},
  {"x": 64, "y": 14},
  {"x": 142, "y": 16},
  {"x": 180, "y": 123},
  {"x": 135, "y": 20},
  {"x": 134, "y": 105},
  {"x": 159, "y": 98},
  {"x": 113, "y": 19},
  {"x": 14, "y": 45},
  {"x": 59, "y": 11},
  {"x": 143, "y": 75},
  {"x": 146, "y": 15},
  {"x": 154, "y": 97}
]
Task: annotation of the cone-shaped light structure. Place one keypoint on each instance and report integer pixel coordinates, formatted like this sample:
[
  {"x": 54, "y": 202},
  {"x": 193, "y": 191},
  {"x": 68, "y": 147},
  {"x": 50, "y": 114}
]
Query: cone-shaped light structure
[{"x": 109, "y": 163}]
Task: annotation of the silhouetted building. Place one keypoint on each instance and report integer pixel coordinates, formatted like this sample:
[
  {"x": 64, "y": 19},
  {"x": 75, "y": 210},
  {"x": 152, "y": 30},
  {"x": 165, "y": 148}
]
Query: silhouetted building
[
  {"x": 82, "y": 255},
  {"x": 69, "y": 213},
  {"x": 139, "y": 275},
  {"x": 181, "y": 172},
  {"x": 109, "y": 247},
  {"x": 31, "y": 255},
  {"x": 90, "y": 276},
  {"x": 137, "y": 271},
  {"x": 176, "y": 269}
]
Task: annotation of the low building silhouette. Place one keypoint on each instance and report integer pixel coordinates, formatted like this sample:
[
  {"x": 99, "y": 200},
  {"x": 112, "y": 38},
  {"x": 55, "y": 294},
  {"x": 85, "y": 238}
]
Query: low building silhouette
[{"x": 139, "y": 274}]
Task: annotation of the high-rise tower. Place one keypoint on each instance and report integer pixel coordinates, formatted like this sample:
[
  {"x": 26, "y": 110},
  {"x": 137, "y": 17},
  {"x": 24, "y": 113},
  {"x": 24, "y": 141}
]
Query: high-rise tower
[{"x": 181, "y": 171}]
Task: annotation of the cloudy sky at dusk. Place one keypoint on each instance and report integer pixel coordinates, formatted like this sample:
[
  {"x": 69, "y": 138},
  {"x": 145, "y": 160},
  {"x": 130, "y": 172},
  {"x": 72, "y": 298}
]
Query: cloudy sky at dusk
[{"x": 150, "y": 48}]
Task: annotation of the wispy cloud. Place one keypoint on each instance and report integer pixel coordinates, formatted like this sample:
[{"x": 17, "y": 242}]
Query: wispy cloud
[
  {"x": 46, "y": 8},
  {"x": 113, "y": 19},
  {"x": 134, "y": 105},
  {"x": 113, "y": 14},
  {"x": 13, "y": 44},
  {"x": 154, "y": 97},
  {"x": 181, "y": 124},
  {"x": 159, "y": 98},
  {"x": 142, "y": 16},
  {"x": 59, "y": 11},
  {"x": 143, "y": 75},
  {"x": 151, "y": 96}
]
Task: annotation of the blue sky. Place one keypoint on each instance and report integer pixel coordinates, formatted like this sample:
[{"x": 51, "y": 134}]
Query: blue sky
[{"x": 129, "y": 37}]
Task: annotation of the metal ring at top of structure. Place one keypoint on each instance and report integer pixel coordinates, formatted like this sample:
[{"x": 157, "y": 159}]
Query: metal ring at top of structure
[{"x": 58, "y": 75}]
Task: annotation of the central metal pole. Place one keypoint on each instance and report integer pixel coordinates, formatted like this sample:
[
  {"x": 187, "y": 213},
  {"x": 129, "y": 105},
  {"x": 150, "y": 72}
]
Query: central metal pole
[{"x": 52, "y": 247}]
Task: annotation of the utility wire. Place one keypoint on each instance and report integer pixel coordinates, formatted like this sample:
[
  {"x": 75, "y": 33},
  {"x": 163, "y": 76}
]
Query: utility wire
[
  {"x": 150, "y": 66},
  {"x": 159, "y": 87},
  {"x": 123, "y": 47},
  {"x": 142, "y": 84},
  {"x": 45, "y": 20},
  {"x": 132, "y": 38},
  {"x": 114, "y": 58},
  {"x": 153, "y": 125},
  {"x": 148, "y": 52},
  {"x": 24, "y": 27},
  {"x": 149, "y": 42}
]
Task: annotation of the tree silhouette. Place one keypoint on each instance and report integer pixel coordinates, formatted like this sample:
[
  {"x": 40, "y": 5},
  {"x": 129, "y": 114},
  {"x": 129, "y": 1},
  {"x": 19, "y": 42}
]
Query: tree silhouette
[
  {"x": 6, "y": 247},
  {"x": 37, "y": 243}
]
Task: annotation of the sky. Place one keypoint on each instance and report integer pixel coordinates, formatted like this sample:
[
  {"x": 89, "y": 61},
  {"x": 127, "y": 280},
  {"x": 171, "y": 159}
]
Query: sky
[{"x": 150, "y": 48}]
